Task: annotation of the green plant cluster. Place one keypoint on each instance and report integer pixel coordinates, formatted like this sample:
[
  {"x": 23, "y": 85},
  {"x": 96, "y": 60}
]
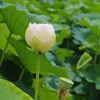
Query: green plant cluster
[{"x": 76, "y": 54}]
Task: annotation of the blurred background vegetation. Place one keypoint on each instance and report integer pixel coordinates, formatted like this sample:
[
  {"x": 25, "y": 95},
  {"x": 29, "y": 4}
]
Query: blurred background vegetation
[{"x": 76, "y": 54}]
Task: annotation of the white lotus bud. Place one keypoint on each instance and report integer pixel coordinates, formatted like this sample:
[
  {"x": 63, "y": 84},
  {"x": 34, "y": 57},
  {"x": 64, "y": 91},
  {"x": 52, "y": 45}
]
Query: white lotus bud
[{"x": 40, "y": 37}]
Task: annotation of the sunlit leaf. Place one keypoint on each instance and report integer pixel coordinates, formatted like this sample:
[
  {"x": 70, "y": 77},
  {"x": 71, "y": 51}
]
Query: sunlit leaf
[{"x": 9, "y": 91}]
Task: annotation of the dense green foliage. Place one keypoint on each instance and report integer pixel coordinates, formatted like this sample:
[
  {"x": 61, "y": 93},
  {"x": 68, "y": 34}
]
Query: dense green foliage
[{"x": 76, "y": 54}]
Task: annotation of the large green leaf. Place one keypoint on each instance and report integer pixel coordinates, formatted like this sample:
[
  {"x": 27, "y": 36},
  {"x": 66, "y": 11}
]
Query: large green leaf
[
  {"x": 80, "y": 89},
  {"x": 73, "y": 8},
  {"x": 93, "y": 6},
  {"x": 28, "y": 59},
  {"x": 91, "y": 73},
  {"x": 89, "y": 39},
  {"x": 15, "y": 18},
  {"x": 80, "y": 34},
  {"x": 3, "y": 43},
  {"x": 80, "y": 17},
  {"x": 47, "y": 94},
  {"x": 92, "y": 42},
  {"x": 93, "y": 24},
  {"x": 63, "y": 53},
  {"x": 9, "y": 91},
  {"x": 65, "y": 33}
]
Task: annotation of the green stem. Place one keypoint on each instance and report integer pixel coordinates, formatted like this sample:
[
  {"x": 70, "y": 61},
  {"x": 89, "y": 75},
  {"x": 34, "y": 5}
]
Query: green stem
[
  {"x": 37, "y": 77},
  {"x": 95, "y": 58},
  {"x": 22, "y": 73},
  {"x": 68, "y": 47},
  {"x": 5, "y": 48}
]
